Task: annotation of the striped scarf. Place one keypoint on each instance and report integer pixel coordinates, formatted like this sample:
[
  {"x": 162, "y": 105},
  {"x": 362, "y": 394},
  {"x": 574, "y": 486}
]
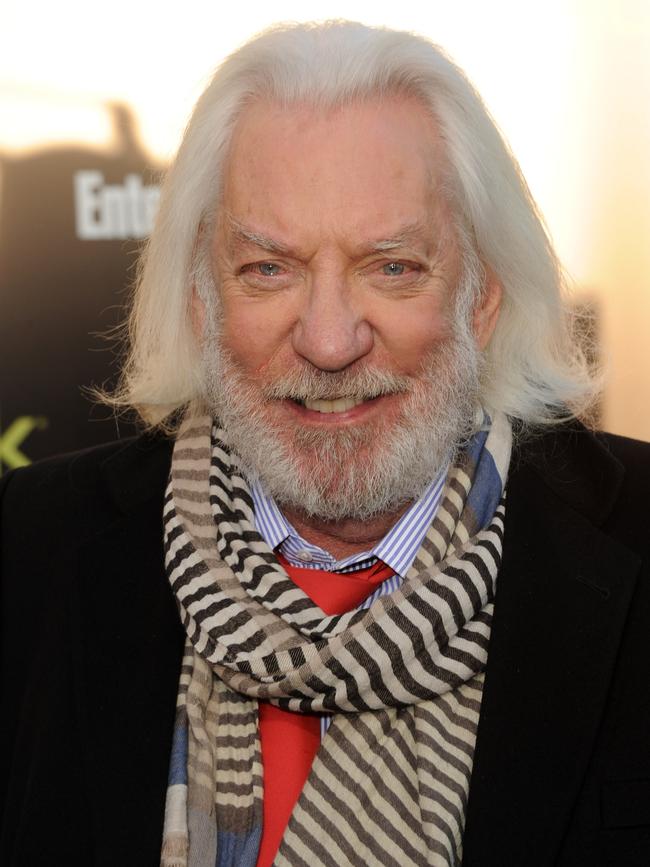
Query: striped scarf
[{"x": 402, "y": 679}]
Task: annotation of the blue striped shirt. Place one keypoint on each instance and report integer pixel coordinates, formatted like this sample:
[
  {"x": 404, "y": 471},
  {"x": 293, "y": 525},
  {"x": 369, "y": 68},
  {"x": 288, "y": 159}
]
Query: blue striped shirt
[{"x": 397, "y": 549}]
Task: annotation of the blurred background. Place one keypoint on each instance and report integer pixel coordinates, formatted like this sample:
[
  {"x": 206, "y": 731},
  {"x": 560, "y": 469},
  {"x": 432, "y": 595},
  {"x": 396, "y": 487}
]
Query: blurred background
[{"x": 93, "y": 101}]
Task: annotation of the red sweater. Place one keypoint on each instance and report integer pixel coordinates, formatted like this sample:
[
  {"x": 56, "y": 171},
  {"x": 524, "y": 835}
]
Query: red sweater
[{"x": 289, "y": 741}]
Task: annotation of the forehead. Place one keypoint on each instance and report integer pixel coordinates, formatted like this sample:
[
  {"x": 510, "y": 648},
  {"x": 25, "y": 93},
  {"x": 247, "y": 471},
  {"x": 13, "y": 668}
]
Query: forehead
[{"x": 364, "y": 168}]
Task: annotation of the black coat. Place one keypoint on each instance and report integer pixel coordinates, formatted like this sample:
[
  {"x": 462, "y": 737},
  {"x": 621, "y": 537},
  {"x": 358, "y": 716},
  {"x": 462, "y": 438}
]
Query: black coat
[{"x": 92, "y": 646}]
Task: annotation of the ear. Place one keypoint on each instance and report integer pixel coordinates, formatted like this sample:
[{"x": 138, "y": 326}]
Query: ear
[{"x": 486, "y": 312}]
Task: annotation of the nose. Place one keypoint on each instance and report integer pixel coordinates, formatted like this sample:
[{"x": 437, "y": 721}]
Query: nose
[{"x": 330, "y": 333}]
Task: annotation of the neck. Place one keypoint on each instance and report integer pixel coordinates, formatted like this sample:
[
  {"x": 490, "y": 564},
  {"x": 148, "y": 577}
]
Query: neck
[{"x": 347, "y": 537}]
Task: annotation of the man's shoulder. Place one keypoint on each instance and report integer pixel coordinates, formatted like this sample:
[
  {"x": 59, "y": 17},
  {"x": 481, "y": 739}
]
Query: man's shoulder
[
  {"x": 575, "y": 445},
  {"x": 630, "y": 518},
  {"x": 632, "y": 453},
  {"x": 603, "y": 476},
  {"x": 126, "y": 471},
  {"x": 62, "y": 468}
]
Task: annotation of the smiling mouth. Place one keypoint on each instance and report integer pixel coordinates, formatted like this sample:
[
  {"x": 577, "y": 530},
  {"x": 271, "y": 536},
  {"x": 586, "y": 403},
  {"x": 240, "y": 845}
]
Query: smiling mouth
[{"x": 338, "y": 404}]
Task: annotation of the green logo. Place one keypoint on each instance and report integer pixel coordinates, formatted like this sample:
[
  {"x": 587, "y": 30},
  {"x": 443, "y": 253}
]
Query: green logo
[{"x": 13, "y": 438}]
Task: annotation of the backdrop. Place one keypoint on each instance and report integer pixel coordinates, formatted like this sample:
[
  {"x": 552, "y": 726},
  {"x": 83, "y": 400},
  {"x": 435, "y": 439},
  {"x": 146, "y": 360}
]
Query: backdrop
[{"x": 92, "y": 107}]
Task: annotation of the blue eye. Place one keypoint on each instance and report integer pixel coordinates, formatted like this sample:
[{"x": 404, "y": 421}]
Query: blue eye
[
  {"x": 393, "y": 269},
  {"x": 268, "y": 269}
]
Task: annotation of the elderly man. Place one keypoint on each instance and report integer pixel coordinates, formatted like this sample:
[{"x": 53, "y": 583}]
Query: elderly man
[{"x": 299, "y": 621}]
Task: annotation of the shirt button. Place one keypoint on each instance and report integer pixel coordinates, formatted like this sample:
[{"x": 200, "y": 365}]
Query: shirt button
[{"x": 305, "y": 556}]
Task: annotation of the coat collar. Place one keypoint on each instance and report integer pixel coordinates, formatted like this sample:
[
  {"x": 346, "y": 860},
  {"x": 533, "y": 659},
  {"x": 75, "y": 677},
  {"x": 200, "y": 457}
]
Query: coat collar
[
  {"x": 572, "y": 462},
  {"x": 562, "y": 599}
]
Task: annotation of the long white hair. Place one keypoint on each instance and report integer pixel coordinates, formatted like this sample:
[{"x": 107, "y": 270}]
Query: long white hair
[{"x": 534, "y": 370}]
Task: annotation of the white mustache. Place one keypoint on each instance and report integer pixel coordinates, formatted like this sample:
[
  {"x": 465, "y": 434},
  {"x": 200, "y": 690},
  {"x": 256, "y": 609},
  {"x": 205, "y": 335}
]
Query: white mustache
[{"x": 309, "y": 383}]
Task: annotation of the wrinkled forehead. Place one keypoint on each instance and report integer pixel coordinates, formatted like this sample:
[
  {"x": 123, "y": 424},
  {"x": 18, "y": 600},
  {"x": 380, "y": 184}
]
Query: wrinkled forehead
[
  {"x": 368, "y": 127},
  {"x": 382, "y": 158}
]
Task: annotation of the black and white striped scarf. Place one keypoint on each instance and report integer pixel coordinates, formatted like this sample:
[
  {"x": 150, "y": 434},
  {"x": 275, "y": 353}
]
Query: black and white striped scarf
[{"x": 403, "y": 679}]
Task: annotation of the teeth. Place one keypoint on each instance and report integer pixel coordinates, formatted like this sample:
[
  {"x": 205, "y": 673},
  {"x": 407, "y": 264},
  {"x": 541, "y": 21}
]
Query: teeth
[{"x": 341, "y": 404}]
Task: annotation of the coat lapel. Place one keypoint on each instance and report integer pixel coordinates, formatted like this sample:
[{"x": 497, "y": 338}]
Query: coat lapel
[
  {"x": 129, "y": 652},
  {"x": 562, "y": 598}
]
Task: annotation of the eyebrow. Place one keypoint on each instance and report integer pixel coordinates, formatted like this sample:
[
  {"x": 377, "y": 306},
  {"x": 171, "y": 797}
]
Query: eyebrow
[
  {"x": 249, "y": 236},
  {"x": 406, "y": 235}
]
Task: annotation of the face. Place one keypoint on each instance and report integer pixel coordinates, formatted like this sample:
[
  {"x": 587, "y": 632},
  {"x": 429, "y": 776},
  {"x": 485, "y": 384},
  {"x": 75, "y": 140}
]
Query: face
[{"x": 336, "y": 359}]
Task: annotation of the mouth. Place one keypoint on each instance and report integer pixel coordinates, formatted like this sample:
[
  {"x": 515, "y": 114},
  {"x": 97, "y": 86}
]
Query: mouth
[
  {"x": 343, "y": 397},
  {"x": 339, "y": 404},
  {"x": 344, "y": 409}
]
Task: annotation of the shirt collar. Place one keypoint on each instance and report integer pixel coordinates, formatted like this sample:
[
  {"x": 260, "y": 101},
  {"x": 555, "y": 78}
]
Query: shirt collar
[{"x": 398, "y": 548}]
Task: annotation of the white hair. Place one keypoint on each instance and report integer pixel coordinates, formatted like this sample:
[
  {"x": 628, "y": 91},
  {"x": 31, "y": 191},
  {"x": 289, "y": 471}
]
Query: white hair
[{"x": 534, "y": 370}]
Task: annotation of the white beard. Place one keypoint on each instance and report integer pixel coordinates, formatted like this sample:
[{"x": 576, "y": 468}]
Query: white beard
[{"x": 353, "y": 472}]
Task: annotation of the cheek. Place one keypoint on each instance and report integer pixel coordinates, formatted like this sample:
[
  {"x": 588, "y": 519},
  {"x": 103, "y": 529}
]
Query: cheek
[
  {"x": 255, "y": 332},
  {"x": 410, "y": 332}
]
